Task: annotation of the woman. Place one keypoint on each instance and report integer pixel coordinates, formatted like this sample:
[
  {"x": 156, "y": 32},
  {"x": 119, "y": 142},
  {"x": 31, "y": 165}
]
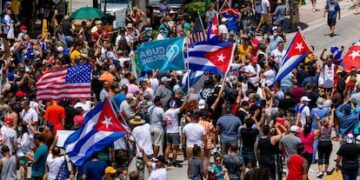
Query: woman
[
  {"x": 209, "y": 131},
  {"x": 11, "y": 113},
  {"x": 23, "y": 147},
  {"x": 217, "y": 171},
  {"x": 307, "y": 138},
  {"x": 325, "y": 146}
]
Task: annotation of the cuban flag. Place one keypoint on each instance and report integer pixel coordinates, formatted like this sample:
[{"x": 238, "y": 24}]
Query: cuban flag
[
  {"x": 100, "y": 129},
  {"x": 211, "y": 56},
  {"x": 295, "y": 54},
  {"x": 213, "y": 29},
  {"x": 192, "y": 79}
]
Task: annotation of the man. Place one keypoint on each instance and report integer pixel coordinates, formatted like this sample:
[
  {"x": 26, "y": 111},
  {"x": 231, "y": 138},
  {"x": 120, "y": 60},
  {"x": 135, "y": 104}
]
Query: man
[
  {"x": 193, "y": 133},
  {"x": 141, "y": 134},
  {"x": 234, "y": 163},
  {"x": 104, "y": 91},
  {"x": 9, "y": 134},
  {"x": 39, "y": 158},
  {"x": 279, "y": 13},
  {"x": 126, "y": 106},
  {"x": 163, "y": 91},
  {"x": 156, "y": 113},
  {"x": 171, "y": 118},
  {"x": 347, "y": 119},
  {"x": 313, "y": 96},
  {"x": 348, "y": 155},
  {"x": 223, "y": 30},
  {"x": 94, "y": 168},
  {"x": 274, "y": 40},
  {"x": 7, "y": 164},
  {"x": 303, "y": 112},
  {"x": 265, "y": 16},
  {"x": 332, "y": 9},
  {"x": 278, "y": 53},
  {"x": 252, "y": 71},
  {"x": 294, "y": 13},
  {"x": 290, "y": 142},
  {"x": 56, "y": 115},
  {"x": 146, "y": 31},
  {"x": 228, "y": 126},
  {"x": 248, "y": 135},
  {"x": 158, "y": 168},
  {"x": 29, "y": 116}
]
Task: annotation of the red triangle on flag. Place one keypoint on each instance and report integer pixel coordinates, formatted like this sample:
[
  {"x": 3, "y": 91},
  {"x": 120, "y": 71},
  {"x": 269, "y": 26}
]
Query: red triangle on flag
[
  {"x": 108, "y": 120},
  {"x": 215, "y": 25},
  {"x": 352, "y": 57},
  {"x": 221, "y": 57},
  {"x": 298, "y": 46}
]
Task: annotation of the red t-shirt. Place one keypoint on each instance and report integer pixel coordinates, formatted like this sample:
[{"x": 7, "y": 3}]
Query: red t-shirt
[{"x": 295, "y": 166}]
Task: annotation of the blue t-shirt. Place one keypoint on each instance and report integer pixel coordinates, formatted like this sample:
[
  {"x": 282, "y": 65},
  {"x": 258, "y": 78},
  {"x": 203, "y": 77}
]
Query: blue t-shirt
[
  {"x": 94, "y": 170},
  {"x": 218, "y": 170},
  {"x": 321, "y": 112},
  {"x": 332, "y": 10},
  {"x": 40, "y": 155},
  {"x": 231, "y": 23},
  {"x": 274, "y": 41},
  {"x": 229, "y": 127}
]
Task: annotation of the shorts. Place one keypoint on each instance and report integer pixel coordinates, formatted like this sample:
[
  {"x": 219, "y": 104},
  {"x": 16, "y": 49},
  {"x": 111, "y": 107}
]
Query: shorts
[
  {"x": 23, "y": 160},
  {"x": 157, "y": 136},
  {"x": 265, "y": 19},
  {"x": 331, "y": 22},
  {"x": 173, "y": 138},
  {"x": 189, "y": 153}
]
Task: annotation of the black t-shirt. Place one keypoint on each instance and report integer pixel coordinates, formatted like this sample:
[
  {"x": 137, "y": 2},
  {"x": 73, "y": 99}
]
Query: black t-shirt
[
  {"x": 248, "y": 136},
  {"x": 69, "y": 118},
  {"x": 242, "y": 115},
  {"x": 349, "y": 154}
]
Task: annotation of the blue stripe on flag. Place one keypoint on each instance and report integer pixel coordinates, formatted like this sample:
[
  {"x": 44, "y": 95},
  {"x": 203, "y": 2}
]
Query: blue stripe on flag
[
  {"x": 290, "y": 68},
  {"x": 76, "y": 135},
  {"x": 210, "y": 69},
  {"x": 99, "y": 146}
]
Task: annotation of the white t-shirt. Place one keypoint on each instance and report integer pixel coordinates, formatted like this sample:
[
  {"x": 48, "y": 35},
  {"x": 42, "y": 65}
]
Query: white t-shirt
[
  {"x": 156, "y": 117},
  {"x": 154, "y": 83},
  {"x": 305, "y": 112},
  {"x": 253, "y": 70},
  {"x": 277, "y": 55},
  {"x": 10, "y": 136},
  {"x": 224, "y": 30},
  {"x": 24, "y": 142},
  {"x": 158, "y": 173},
  {"x": 120, "y": 144},
  {"x": 265, "y": 5},
  {"x": 171, "y": 117},
  {"x": 31, "y": 114},
  {"x": 269, "y": 77},
  {"x": 194, "y": 134},
  {"x": 54, "y": 165},
  {"x": 328, "y": 76},
  {"x": 142, "y": 137}
]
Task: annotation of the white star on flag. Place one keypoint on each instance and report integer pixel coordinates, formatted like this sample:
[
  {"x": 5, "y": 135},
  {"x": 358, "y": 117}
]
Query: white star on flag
[
  {"x": 107, "y": 122},
  {"x": 213, "y": 28},
  {"x": 299, "y": 46},
  {"x": 221, "y": 58},
  {"x": 355, "y": 54}
]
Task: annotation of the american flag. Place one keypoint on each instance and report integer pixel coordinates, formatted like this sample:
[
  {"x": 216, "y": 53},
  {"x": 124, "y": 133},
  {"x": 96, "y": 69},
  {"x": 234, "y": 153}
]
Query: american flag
[
  {"x": 197, "y": 33},
  {"x": 70, "y": 83}
]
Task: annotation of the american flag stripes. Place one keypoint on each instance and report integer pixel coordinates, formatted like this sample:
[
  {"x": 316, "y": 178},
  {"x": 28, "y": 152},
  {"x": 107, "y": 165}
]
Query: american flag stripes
[
  {"x": 70, "y": 83},
  {"x": 197, "y": 33}
]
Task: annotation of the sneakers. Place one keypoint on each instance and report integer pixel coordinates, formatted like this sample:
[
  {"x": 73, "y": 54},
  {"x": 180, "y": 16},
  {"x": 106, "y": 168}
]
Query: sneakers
[
  {"x": 177, "y": 164},
  {"x": 320, "y": 175}
]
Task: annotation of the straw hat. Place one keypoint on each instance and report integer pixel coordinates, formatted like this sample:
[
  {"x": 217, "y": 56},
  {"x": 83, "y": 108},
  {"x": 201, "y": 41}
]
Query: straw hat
[{"x": 137, "y": 121}]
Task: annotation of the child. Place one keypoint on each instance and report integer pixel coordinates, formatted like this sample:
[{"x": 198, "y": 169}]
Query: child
[{"x": 196, "y": 168}]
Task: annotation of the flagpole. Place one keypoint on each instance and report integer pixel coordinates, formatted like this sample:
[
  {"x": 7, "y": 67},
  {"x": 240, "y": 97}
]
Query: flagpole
[
  {"x": 188, "y": 66},
  {"x": 202, "y": 24}
]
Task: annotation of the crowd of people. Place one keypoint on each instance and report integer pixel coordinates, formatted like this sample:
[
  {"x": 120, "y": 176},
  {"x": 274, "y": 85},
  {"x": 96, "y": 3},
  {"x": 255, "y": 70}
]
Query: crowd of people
[{"x": 243, "y": 126}]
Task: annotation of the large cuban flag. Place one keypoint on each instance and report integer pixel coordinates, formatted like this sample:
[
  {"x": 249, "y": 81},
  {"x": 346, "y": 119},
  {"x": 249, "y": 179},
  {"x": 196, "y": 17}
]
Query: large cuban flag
[
  {"x": 211, "y": 56},
  {"x": 100, "y": 129},
  {"x": 296, "y": 53}
]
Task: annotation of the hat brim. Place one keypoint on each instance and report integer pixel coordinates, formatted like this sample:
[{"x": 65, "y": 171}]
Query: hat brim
[{"x": 137, "y": 122}]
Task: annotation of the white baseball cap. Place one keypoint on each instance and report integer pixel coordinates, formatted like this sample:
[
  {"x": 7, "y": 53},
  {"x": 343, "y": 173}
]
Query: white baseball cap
[
  {"x": 305, "y": 98},
  {"x": 202, "y": 104},
  {"x": 294, "y": 129}
]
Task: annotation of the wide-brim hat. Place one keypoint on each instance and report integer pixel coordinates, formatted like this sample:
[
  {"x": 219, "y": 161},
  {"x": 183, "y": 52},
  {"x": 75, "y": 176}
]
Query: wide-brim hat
[{"x": 137, "y": 121}]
